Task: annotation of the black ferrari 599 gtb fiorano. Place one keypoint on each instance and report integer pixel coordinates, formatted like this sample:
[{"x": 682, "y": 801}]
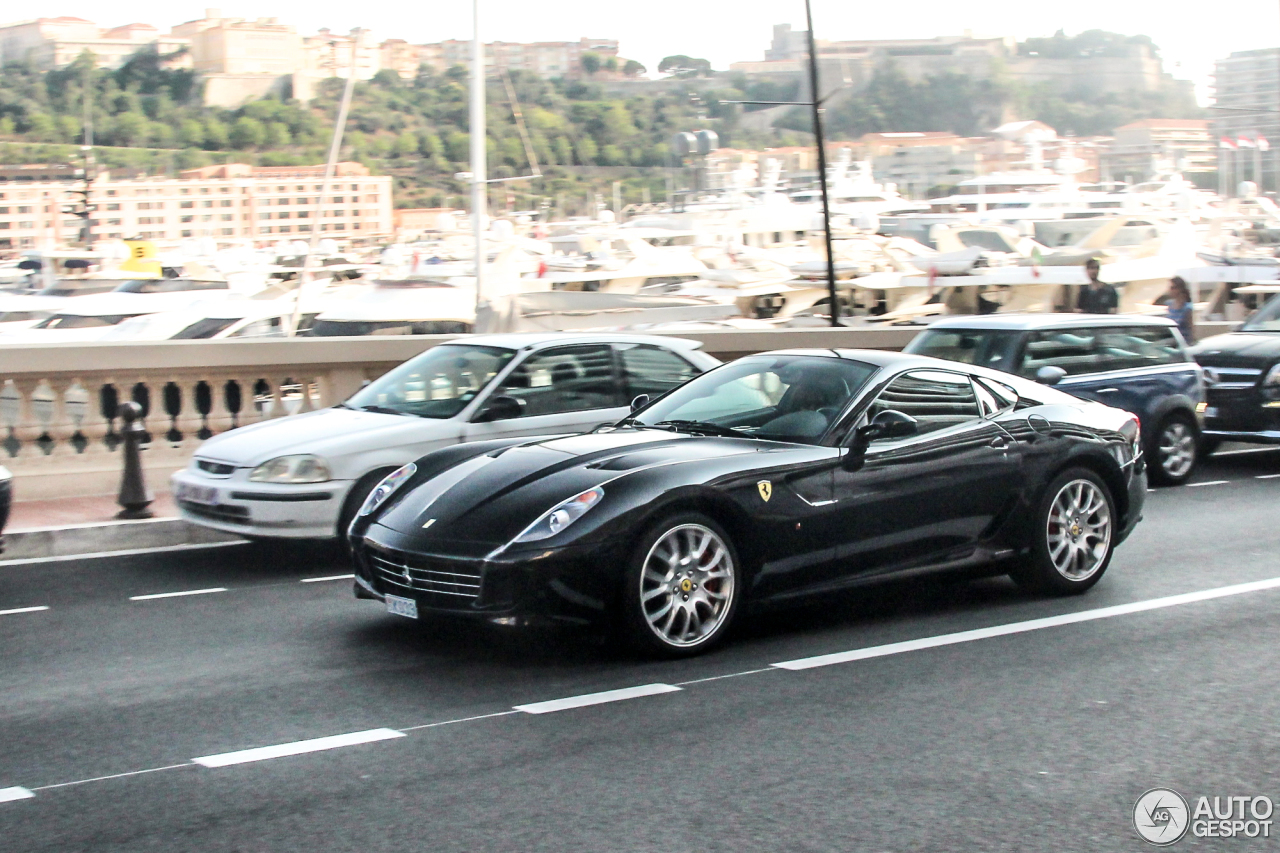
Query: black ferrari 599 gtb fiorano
[{"x": 774, "y": 478}]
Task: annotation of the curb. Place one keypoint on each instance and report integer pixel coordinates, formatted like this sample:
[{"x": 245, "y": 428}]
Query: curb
[{"x": 106, "y": 537}]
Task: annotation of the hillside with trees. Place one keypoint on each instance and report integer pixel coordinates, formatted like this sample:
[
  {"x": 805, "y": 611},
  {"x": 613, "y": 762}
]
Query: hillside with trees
[{"x": 585, "y": 134}]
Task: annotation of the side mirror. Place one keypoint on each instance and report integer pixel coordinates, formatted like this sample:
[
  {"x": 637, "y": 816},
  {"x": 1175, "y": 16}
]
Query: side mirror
[
  {"x": 1050, "y": 375},
  {"x": 501, "y": 408},
  {"x": 639, "y": 402}
]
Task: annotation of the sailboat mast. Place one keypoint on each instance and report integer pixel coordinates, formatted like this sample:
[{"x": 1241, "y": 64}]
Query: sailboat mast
[
  {"x": 477, "y": 148},
  {"x": 815, "y": 99}
]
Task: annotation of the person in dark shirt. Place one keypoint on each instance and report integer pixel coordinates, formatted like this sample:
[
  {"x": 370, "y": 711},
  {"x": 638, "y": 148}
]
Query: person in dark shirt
[{"x": 1098, "y": 297}]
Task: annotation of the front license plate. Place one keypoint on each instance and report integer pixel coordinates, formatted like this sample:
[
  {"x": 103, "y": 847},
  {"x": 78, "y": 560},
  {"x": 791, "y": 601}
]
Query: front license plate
[
  {"x": 1211, "y": 412},
  {"x": 207, "y": 495},
  {"x": 402, "y": 606}
]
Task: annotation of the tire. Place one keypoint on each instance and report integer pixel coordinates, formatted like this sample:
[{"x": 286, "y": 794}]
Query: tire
[
  {"x": 1063, "y": 561},
  {"x": 1174, "y": 450},
  {"x": 351, "y": 505},
  {"x": 682, "y": 587}
]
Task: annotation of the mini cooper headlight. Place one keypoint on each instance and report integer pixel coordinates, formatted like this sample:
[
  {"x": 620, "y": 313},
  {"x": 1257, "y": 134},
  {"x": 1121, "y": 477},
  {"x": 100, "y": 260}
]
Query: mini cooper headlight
[
  {"x": 292, "y": 469},
  {"x": 387, "y": 487},
  {"x": 561, "y": 516}
]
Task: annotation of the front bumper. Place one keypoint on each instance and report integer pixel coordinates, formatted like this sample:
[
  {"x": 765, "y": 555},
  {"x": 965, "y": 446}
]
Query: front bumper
[
  {"x": 1137, "y": 501},
  {"x": 1241, "y": 414},
  {"x": 267, "y": 510},
  {"x": 573, "y": 584}
]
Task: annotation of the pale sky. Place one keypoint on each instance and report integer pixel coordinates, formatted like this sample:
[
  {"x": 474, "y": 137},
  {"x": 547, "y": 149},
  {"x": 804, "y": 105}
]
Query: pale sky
[{"x": 1190, "y": 35}]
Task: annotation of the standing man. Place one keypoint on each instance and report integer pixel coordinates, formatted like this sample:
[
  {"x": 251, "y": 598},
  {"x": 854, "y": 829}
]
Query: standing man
[{"x": 1098, "y": 297}]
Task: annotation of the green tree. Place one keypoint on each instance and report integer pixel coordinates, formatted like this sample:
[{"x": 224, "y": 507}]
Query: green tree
[
  {"x": 585, "y": 151},
  {"x": 247, "y": 133},
  {"x": 216, "y": 135},
  {"x": 684, "y": 66},
  {"x": 191, "y": 133},
  {"x": 277, "y": 135},
  {"x": 633, "y": 68},
  {"x": 128, "y": 129},
  {"x": 407, "y": 144}
]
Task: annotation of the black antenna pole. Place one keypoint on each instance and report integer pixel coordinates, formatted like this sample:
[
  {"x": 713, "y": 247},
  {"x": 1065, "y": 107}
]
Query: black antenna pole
[{"x": 816, "y": 100}]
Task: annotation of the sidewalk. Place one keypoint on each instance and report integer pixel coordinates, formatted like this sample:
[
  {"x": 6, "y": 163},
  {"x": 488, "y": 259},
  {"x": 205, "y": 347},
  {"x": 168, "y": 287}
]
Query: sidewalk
[{"x": 66, "y": 527}]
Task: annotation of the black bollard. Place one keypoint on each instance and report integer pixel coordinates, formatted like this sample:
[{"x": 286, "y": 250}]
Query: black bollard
[{"x": 134, "y": 496}]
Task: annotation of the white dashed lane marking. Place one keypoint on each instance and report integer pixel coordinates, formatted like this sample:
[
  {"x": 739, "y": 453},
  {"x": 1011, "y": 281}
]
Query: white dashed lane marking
[
  {"x": 329, "y": 578},
  {"x": 596, "y": 698},
  {"x": 156, "y": 595},
  {"x": 1265, "y": 476},
  {"x": 17, "y": 610},
  {"x": 280, "y": 750},
  {"x": 1208, "y": 483},
  {"x": 8, "y": 795}
]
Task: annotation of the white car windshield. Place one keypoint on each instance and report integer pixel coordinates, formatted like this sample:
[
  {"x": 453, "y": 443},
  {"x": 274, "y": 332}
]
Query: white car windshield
[
  {"x": 437, "y": 384},
  {"x": 784, "y": 398}
]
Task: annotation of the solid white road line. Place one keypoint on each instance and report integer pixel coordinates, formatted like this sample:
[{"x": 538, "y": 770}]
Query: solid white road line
[
  {"x": 281, "y": 750},
  {"x": 596, "y": 698},
  {"x": 8, "y": 795},
  {"x": 1029, "y": 625},
  {"x": 112, "y": 776},
  {"x": 23, "y": 610},
  {"x": 329, "y": 578},
  {"x": 1217, "y": 453},
  {"x": 155, "y": 595},
  {"x": 459, "y": 720},
  {"x": 1208, "y": 483},
  {"x": 131, "y": 552}
]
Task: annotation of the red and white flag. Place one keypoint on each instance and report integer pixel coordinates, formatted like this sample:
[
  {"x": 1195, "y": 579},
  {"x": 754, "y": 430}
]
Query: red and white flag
[
  {"x": 1224, "y": 142},
  {"x": 1263, "y": 144},
  {"x": 1245, "y": 142}
]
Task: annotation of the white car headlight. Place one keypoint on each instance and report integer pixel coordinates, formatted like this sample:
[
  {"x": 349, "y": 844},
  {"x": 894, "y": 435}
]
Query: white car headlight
[
  {"x": 292, "y": 469},
  {"x": 561, "y": 516},
  {"x": 1273, "y": 377},
  {"x": 387, "y": 487}
]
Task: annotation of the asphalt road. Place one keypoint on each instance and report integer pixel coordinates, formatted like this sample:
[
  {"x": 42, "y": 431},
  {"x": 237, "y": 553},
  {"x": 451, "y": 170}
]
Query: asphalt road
[{"x": 1038, "y": 736}]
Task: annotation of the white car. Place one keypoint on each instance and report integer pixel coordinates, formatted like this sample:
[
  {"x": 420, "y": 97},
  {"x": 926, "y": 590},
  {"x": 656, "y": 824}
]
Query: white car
[{"x": 305, "y": 476}]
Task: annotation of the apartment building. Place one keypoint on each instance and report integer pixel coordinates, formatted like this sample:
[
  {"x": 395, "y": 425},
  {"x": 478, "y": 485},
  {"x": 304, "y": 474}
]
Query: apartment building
[
  {"x": 56, "y": 42},
  {"x": 546, "y": 59},
  {"x": 1144, "y": 148},
  {"x": 230, "y": 202}
]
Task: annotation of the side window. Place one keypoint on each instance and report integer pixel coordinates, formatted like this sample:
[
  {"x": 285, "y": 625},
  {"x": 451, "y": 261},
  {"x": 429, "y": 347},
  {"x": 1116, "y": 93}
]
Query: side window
[
  {"x": 1139, "y": 346},
  {"x": 565, "y": 379},
  {"x": 1073, "y": 350},
  {"x": 936, "y": 399},
  {"x": 1004, "y": 396},
  {"x": 652, "y": 370}
]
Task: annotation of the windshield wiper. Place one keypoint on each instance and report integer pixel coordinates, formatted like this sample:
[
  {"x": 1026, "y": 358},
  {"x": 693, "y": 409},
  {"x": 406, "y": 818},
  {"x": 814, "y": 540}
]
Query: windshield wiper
[
  {"x": 382, "y": 410},
  {"x": 705, "y": 427}
]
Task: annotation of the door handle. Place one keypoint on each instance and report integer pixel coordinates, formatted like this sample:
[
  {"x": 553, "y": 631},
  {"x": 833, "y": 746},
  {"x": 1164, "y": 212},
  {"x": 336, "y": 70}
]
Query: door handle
[{"x": 1108, "y": 390}]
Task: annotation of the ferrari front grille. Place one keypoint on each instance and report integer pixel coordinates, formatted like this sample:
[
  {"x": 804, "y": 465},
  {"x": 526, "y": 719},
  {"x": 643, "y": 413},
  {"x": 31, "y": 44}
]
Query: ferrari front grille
[{"x": 438, "y": 577}]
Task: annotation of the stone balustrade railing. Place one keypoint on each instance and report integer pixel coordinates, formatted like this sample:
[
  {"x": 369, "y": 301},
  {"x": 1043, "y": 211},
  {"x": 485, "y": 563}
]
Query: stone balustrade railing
[{"x": 59, "y": 433}]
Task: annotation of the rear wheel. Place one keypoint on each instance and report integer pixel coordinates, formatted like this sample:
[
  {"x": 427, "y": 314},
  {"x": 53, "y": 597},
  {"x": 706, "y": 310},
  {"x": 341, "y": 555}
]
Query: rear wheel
[
  {"x": 683, "y": 585},
  {"x": 1074, "y": 531},
  {"x": 1175, "y": 449}
]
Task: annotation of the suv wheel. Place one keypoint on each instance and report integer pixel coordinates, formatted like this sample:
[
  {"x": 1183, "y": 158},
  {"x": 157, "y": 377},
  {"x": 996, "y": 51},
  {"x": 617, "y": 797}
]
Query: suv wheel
[{"x": 1174, "y": 451}]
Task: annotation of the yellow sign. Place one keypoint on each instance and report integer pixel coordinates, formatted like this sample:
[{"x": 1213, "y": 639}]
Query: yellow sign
[
  {"x": 766, "y": 490},
  {"x": 142, "y": 260}
]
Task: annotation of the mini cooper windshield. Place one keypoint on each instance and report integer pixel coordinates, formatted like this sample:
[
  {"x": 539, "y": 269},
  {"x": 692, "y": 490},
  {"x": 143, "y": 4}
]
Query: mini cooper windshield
[
  {"x": 1266, "y": 320},
  {"x": 783, "y": 398},
  {"x": 437, "y": 384}
]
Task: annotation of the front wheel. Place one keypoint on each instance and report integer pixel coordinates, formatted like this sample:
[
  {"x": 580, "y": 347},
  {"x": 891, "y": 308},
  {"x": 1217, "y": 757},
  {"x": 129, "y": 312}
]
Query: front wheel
[
  {"x": 1175, "y": 449},
  {"x": 683, "y": 584},
  {"x": 1071, "y": 543}
]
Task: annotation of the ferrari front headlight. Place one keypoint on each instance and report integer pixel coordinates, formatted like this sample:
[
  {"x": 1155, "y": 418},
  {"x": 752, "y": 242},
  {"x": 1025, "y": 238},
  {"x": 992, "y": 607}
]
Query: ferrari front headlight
[
  {"x": 561, "y": 516},
  {"x": 387, "y": 487},
  {"x": 1273, "y": 377},
  {"x": 304, "y": 468}
]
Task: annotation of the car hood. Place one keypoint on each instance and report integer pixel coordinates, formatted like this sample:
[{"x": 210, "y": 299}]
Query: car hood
[
  {"x": 1244, "y": 349},
  {"x": 328, "y": 433},
  {"x": 493, "y": 497}
]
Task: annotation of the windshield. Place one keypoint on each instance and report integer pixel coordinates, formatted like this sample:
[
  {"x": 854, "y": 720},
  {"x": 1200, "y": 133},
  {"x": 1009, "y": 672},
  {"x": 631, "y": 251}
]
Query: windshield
[
  {"x": 437, "y": 384},
  {"x": 77, "y": 321},
  {"x": 984, "y": 347},
  {"x": 784, "y": 397},
  {"x": 1267, "y": 318}
]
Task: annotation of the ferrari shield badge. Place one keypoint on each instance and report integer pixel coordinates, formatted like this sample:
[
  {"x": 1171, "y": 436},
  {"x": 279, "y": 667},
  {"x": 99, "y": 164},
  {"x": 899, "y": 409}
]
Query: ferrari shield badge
[{"x": 766, "y": 490}]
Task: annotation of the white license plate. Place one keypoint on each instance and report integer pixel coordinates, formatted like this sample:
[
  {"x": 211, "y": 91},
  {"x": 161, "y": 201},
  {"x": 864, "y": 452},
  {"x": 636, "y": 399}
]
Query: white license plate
[
  {"x": 402, "y": 606},
  {"x": 1211, "y": 412},
  {"x": 207, "y": 495}
]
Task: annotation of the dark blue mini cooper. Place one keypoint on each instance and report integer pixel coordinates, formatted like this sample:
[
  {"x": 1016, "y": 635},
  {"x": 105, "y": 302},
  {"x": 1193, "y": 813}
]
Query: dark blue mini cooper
[{"x": 1139, "y": 364}]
